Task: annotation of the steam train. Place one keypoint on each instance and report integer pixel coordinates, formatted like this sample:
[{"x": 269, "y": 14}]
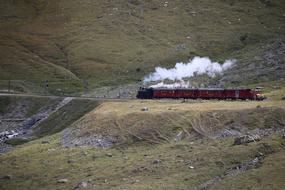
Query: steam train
[{"x": 221, "y": 94}]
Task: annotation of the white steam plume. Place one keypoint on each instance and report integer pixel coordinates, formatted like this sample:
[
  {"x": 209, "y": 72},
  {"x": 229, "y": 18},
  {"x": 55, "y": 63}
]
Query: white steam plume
[
  {"x": 181, "y": 84},
  {"x": 199, "y": 65}
]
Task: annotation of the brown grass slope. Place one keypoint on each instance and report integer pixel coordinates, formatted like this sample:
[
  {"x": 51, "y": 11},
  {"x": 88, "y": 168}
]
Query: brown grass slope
[
  {"x": 146, "y": 155},
  {"x": 117, "y": 42}
]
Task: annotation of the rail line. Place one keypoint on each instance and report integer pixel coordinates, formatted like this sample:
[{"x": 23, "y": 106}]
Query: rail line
[{"x": 73, "y": 97}]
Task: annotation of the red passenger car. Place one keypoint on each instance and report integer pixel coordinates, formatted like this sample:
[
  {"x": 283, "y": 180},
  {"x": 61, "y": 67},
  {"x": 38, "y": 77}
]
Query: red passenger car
[{"x": 233, "y": 94}]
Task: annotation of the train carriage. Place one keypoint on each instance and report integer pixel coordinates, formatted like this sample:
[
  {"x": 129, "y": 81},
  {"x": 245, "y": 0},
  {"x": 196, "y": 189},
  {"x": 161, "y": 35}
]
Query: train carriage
[{"x": 233, "y": 94}]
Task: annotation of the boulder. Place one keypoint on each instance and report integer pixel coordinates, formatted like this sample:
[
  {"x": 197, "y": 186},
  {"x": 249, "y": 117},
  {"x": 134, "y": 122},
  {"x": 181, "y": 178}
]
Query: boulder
[
  {"x": 246, "y": 139},
  {"x": 81, "y": 185},
  {"x": 62, "y": 181},
  {"x": 157, "y": 161},
  {"x": 6, "y": 177},
  {"x": 45, "y": 142},
  {"x": 71, "y": 161},
  {"x": 179, "y": 136},
  {"x": 144, "y": 109}
]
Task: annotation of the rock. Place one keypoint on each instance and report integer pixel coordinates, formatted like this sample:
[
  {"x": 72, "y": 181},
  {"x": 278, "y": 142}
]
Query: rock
[
  {"x": 266, "y": 2},
  {"x": 6, "y": 177},
  {"x": 76, "y": 144},
  {"x": 62, "y": 181},
  {"x": 191, "y": 167},
  {"x": 71, "y": 161},
  {"x": 89, "y": 180},
  {"x": 243, "y": 37},
  {"x": 139, "y": 169},
  {"x": 246, "y": 139},
  {"x": 95, "y": 157},
  {"x": 228, "y": 133},
  {"x": 84, "y": 153},
  {"x": 81, "y": 185},
  {"x": 179, "y": 136},
  {"x": 45, "y": 142},
  {"x": 259, "y": 154},
  {"x": 109, "y": 155},
  {"x": 157, "y": 161},
  {"x": 180, "y": 47},
  {"x": 144, "y": 109},
  {"x": 188, "y": 162}
]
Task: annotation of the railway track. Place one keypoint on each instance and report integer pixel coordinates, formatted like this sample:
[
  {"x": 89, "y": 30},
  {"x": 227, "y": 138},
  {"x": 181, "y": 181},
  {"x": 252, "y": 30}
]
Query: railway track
[{"x": 73, "y": 97}]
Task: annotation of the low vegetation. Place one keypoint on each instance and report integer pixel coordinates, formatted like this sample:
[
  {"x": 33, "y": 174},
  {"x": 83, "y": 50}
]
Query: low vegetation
[
  {"x": 170, "y": 145},
  {"x": 64, "y": 117},
  {"x": 20, "y": 107},
  {"x": 181, "y": 165},
  {"x": 79, "y": 45},
  {"x": 122, "y": 122}
]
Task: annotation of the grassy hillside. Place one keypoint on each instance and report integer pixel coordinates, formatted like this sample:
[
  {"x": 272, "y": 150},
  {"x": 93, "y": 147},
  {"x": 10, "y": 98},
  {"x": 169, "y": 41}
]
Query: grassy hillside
[
  {"x": 64, "y": 117},
  {"x": 21, "y": 107},
  {"x": 79, "y": 43},
  {"x": 42, "y": 165},
  {"x": 146, "y": 152}
]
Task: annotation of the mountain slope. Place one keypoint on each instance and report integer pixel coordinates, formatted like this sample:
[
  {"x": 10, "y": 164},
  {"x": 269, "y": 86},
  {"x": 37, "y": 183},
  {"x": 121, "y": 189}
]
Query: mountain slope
[{"x": 76, "y": 44}]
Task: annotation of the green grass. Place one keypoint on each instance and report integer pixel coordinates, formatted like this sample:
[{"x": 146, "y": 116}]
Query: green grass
[
  {"x": 4, "y": 103},
  {"x": 161, "y": 124},
  {"x": 16, "y": 141},
  {"x": 64, "y": 117},
  {"x": 267, "y": 176},
  {"x": 105, "y": 43},
  {"x": 37, "y": 165},
  {"x": 33, "y": 104}
]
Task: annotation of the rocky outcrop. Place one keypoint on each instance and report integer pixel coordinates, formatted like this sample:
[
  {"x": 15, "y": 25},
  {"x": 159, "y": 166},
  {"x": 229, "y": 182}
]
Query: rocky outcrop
[{"x": 246, "y": 139}]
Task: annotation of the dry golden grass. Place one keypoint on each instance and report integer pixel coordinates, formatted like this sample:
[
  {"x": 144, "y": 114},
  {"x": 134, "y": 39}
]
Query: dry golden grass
[
  {"x": 158, "y": 106},
  {"x": 148, "y": 136}
]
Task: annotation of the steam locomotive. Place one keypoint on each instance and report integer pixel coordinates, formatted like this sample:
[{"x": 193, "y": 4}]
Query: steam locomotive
[{"x": 221, "y": 94}]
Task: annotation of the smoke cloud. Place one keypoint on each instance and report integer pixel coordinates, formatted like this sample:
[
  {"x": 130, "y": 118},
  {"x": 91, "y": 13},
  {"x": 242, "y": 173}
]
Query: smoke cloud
[
  {"x": 181, "y": 84},
  {"x": 199, "y": 65}
]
